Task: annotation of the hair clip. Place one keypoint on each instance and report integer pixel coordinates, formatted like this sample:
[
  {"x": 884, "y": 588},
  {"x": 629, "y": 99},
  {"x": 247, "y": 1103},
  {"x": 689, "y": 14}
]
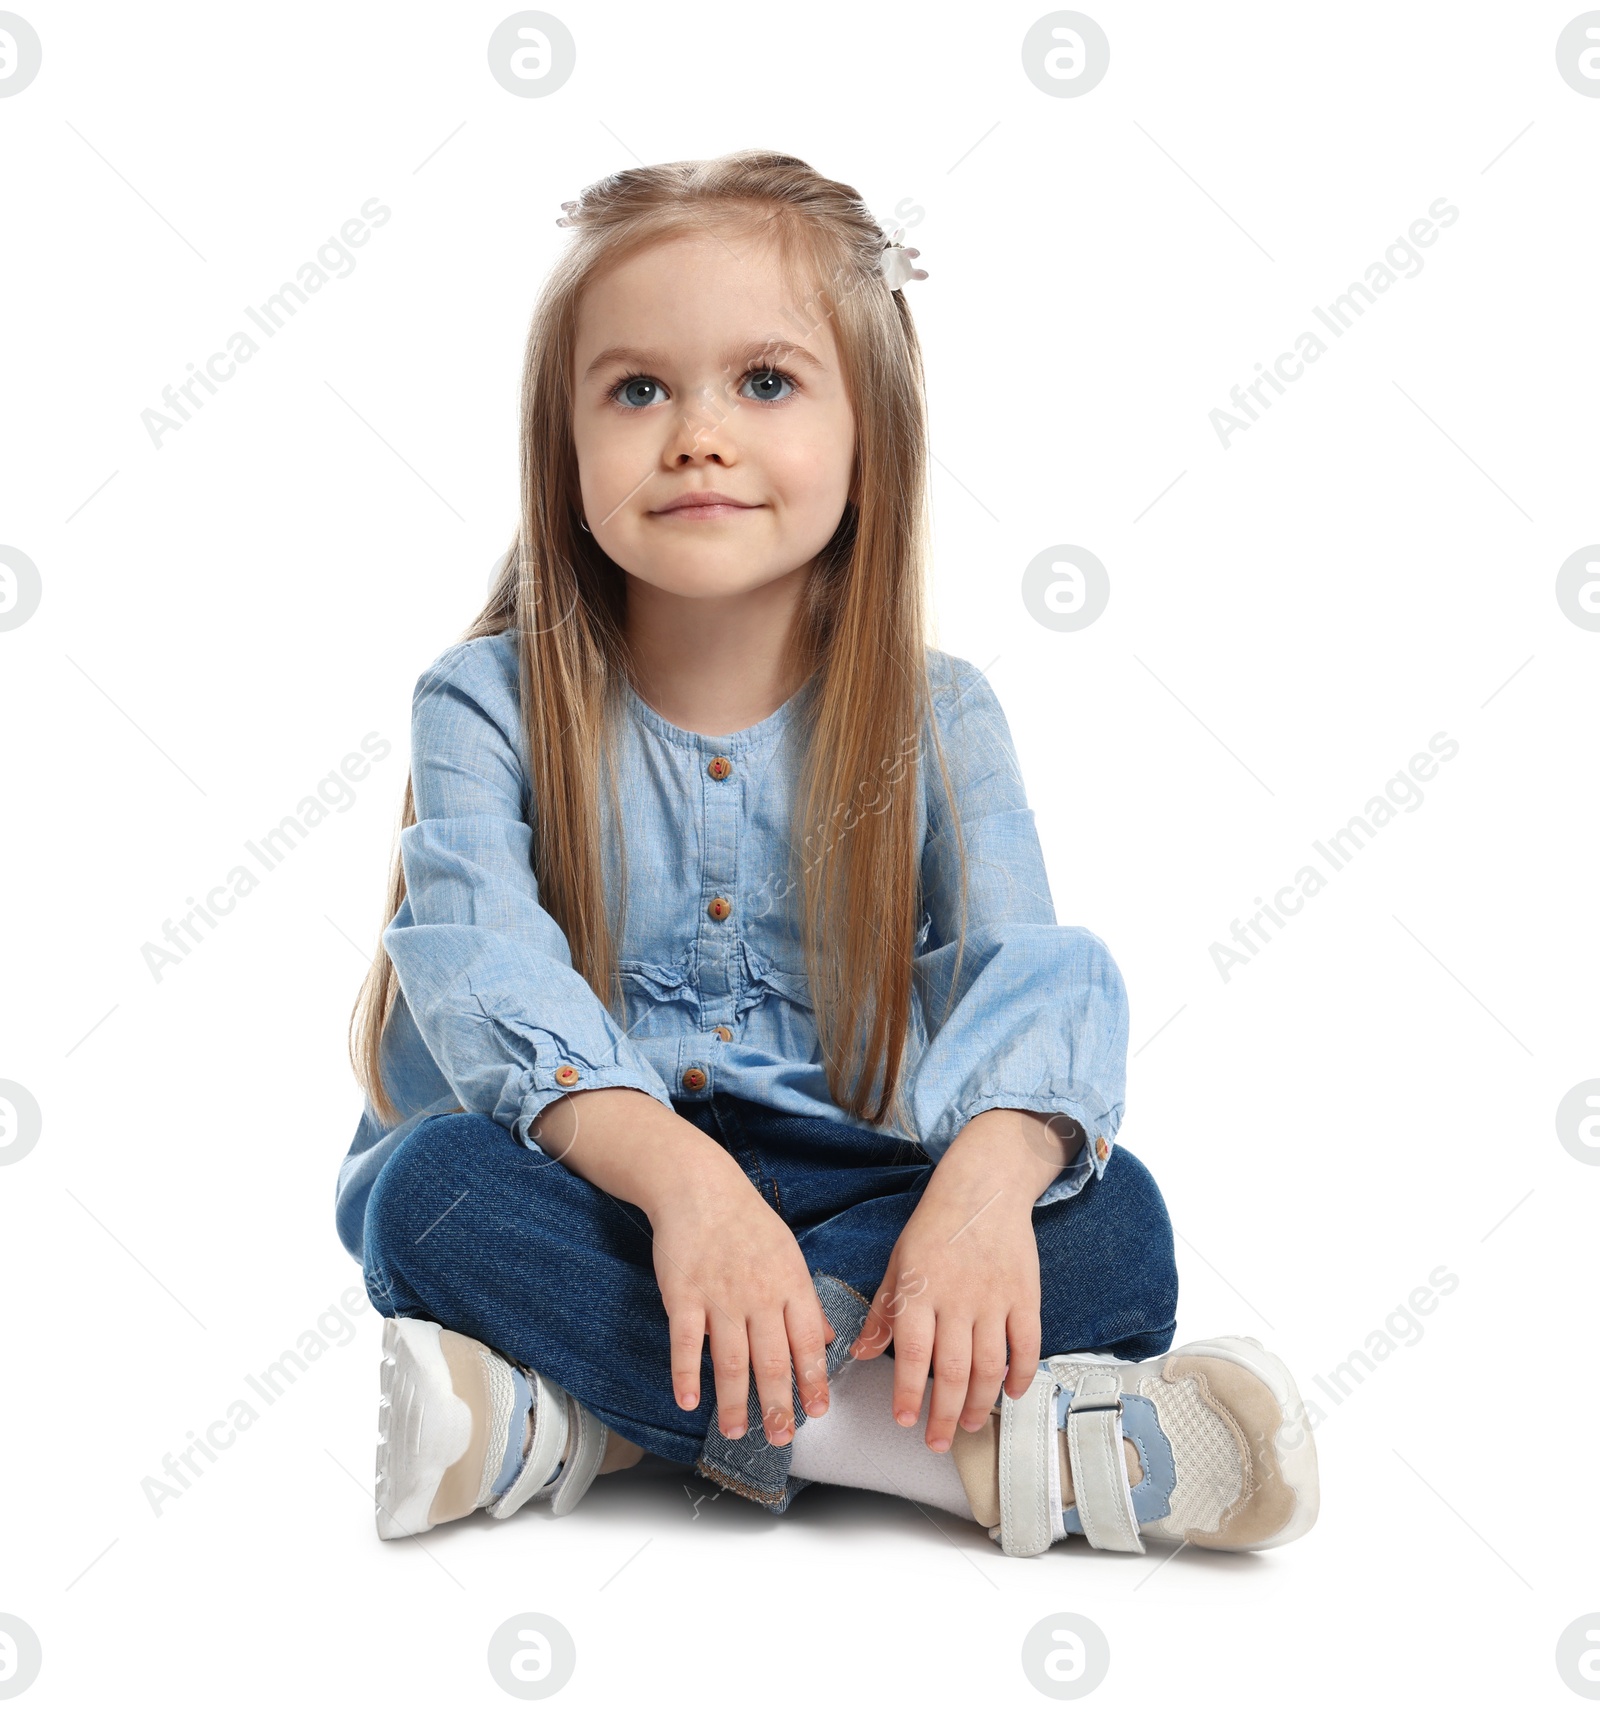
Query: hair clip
[{"x": 895, "y": 261}]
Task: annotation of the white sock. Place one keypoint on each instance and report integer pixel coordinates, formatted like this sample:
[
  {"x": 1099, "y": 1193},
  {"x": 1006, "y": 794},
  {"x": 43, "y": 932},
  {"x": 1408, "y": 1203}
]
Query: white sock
[{"x": 858, "y": 1443}]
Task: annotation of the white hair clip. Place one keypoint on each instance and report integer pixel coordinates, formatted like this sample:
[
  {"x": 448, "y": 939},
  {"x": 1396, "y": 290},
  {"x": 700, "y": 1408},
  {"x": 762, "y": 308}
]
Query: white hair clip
[{"x": 895, "y": 261}]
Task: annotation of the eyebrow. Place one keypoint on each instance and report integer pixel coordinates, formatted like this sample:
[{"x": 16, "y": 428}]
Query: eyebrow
[{"x": 771, "y": 346}]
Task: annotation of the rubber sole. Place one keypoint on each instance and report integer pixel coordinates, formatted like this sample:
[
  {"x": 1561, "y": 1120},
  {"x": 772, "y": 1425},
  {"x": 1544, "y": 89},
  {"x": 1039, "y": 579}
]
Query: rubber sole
[
  {"x": 1293, "y": 1446},
  {"x": 423, "y": 1427}
]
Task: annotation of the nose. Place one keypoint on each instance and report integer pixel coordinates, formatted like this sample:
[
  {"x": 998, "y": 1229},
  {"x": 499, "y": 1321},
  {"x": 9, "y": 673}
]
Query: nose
[{"x": 702, "y": 432}]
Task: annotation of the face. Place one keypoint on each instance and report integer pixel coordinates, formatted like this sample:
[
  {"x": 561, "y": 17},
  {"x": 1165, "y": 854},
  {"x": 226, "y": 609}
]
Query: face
[{"x": 698, "y": 374}]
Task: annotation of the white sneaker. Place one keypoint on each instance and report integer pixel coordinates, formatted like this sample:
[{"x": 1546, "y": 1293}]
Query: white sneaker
[
  {"x": 1207, "y": 1445},
  {"x": 452, "y": 1418}
]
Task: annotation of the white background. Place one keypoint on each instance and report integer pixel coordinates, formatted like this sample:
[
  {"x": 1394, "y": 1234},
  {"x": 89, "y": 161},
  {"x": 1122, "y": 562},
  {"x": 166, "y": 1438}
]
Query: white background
[{"x": 1371, "y": 1098}]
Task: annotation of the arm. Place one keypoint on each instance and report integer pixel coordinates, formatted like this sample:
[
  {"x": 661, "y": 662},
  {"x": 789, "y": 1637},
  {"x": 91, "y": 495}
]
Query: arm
[
  {"x": 486, "y": 970},
  {"x": 1017, "y": 1095},
  {"x": 1036, "y": 1018},
  {"x": 1027, "y": 1152},
  {"x": 624, "y": 1143}
]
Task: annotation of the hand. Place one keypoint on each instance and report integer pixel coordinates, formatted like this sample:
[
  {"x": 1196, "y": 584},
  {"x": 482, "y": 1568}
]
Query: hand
[
  {"x": 727, "y": 1264},
  {"x": 963, "y": 1279}
]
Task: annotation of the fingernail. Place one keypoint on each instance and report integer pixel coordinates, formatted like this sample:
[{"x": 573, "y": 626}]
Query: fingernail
[
  {"x": 905, "y": 1418},
  {"x": 938, "y": 1445},
  {"x": 687, "y": 1400}
]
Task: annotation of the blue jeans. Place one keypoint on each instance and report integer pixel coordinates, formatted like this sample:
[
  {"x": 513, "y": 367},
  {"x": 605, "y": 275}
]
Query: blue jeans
[{"x": 467, "y": 1228}]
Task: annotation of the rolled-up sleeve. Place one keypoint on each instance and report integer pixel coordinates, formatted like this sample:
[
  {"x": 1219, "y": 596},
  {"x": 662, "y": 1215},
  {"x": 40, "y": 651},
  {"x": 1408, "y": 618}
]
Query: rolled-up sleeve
[
  {"x": 486, "y": 971},
  {"x": 1036, "y": 1017}
]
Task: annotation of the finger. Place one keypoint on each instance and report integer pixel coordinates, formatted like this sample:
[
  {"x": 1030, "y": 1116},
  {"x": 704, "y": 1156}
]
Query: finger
[
  {"x": 1022, "y": 1332},
  {"x": 730, "y": 1365},
  {"x": 952, "y": 1367},
  {"x": 688, "y": 1327},
  {"x": 873, "y": 1338},
  {"x": 878, "y": 1328},
  {"x": 809, "y": 1350},
  {"x": 988, "y": 1370},
  {"x": 769, "y": 1361},
  {"x": 913, "y": 1350}
]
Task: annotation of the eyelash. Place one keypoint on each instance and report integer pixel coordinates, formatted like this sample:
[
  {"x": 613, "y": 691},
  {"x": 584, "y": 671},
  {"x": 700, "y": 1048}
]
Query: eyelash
[{"x": 754, "y": 369}]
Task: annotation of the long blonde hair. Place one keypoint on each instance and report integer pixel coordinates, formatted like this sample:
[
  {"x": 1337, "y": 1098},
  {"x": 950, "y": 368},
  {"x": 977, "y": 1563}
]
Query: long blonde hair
[{"x": 860, "y": 626}]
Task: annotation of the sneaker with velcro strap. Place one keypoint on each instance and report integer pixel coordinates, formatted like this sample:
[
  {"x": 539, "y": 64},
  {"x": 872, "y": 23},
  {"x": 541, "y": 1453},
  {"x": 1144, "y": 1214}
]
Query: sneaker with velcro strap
[
  {"x": 453, "y": 1433},
  {"x": 1207, "y": 1445}
]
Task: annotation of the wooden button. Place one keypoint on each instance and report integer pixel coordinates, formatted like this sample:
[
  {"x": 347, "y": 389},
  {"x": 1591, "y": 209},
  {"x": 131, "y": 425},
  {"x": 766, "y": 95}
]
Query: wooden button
[
  {"x": 566, "y": 1075},
  {"x": 1101, "y": 1148},
  {"x": 694, "y": 1078},
  {"x": 719, "y": 767},
  {"x": 724, "y": 1032},
  {"x": 719, "y": 909}
]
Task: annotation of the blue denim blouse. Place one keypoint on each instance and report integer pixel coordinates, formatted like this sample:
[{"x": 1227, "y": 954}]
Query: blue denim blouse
[{"x": 492, "y": 1017}]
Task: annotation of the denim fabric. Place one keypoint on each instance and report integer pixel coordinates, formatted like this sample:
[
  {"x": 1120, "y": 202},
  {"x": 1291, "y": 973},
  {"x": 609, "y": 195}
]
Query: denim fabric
[
  {"x": 491, "y": 1009},
  {"x": 753, "y": 1465},
  {"x": 500, "y": 1242}
]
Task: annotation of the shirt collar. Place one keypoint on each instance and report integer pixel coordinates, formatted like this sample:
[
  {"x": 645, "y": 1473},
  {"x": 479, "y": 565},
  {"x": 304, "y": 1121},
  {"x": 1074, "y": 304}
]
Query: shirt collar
[{"x": 750, "y": 738}]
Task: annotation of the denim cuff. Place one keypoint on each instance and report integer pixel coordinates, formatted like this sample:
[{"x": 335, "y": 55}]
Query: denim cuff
[{"x": 752, "y": 1466}]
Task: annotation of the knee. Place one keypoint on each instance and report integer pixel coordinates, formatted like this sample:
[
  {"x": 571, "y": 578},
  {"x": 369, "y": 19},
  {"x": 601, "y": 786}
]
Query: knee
[
  {"x": 1142, "y": 1223},
  {"x": 1113, "y": 1243},
  {"x": 430, "y": 1164},
  {"x": 1144, "y": 1237}
]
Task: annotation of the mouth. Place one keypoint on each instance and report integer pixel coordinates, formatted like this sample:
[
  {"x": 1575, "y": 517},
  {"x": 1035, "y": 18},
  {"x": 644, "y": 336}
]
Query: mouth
[{"x": 703, "y": 505}]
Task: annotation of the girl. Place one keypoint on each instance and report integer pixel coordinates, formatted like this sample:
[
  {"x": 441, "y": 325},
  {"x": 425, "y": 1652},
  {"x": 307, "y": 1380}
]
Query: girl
[{"x": 722, "y": 1001}]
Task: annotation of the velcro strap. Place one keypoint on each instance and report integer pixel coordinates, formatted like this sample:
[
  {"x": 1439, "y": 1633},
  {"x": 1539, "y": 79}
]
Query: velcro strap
[
  {"x": 544, "y": 1455},
  {"x": 1099, "y": 1474},
  {"x": 1027, "y": 1448},
  {"x": 586, "y": 1448}
]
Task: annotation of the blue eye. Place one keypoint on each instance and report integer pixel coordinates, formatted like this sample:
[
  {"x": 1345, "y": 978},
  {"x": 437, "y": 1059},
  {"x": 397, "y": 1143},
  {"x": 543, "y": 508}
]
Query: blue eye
[
  {"x": 634, "y": 391},
  {"x": 765, "y": 383},
  {"x": 638, "y": 391}
]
